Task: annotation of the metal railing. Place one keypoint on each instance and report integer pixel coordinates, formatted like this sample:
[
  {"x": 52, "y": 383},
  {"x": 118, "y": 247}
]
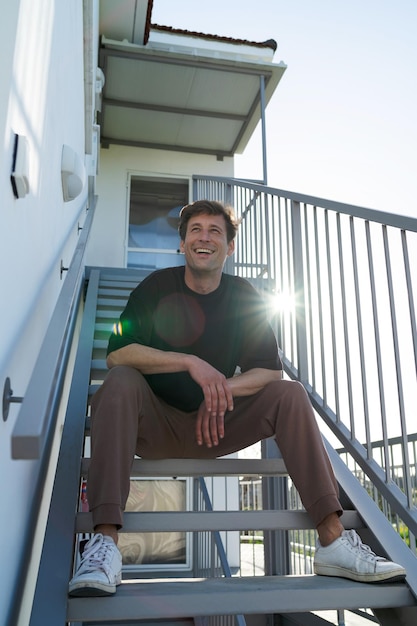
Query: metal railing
[{"x": 340, "y": 283}]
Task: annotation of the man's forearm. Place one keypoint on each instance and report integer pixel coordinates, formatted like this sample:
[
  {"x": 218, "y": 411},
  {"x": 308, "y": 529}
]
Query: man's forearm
[
  {"x": 153, "y": 361},
  {"x": 252, "y": 381},
  {"x": 149, "y": 360}
]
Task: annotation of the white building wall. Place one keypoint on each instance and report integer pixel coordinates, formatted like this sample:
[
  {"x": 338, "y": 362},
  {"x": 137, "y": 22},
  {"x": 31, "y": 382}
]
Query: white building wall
[
  {"x": 41, "y": 99},
  {"x": 107, "y": 243}
]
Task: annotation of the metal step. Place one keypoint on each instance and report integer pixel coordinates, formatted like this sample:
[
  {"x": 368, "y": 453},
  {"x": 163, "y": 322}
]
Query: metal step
[
  {"x": 188, "y": 521},
  {"x": 180, "y": 621},
  {"x": 114, "y": 292},
  {"x": 202, "y": 467},
  {"x": 160, "y": 599}
]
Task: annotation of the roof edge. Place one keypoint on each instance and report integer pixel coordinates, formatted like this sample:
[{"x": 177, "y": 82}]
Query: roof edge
[{"x": 270, "y": 43}]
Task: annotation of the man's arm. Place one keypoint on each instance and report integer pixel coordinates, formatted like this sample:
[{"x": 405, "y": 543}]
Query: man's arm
[
  {"x": 148, "y": 360},
  {"x": 252, "y": 381},
  {"x": 216, "y": 388}
]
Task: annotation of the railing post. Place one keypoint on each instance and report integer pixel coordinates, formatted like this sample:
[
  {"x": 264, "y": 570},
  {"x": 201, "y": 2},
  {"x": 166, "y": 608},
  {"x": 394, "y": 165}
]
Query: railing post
[
  {"x": 195, "y": 188},
  {"x": 299, "y": 292},
  {"x": 228, "y": 194},
  {"x": 195, "y": 536},
  {"x": 275, "y": 497}
]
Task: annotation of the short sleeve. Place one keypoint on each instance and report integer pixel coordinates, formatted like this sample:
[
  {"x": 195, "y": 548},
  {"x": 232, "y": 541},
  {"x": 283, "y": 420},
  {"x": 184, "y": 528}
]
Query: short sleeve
[{"x": 258, "y": 342}]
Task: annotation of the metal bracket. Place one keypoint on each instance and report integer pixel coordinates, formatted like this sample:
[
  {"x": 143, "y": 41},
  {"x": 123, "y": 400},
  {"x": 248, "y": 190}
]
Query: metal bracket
[
  {"x": 63, "y": 269},
  {"x": 8, "y": 398}
]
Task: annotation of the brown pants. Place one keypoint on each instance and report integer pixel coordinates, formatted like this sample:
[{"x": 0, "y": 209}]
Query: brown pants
[{"x": 128, "y": 419}]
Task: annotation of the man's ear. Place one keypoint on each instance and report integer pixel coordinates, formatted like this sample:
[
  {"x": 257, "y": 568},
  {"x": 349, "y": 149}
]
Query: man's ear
[
  {"x": 181, "y": 246},
  {"x": 230, "y": 247}
]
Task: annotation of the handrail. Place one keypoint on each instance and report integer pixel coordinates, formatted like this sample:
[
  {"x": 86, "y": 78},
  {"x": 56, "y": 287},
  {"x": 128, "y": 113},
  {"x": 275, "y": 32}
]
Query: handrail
[
  {"x": 49, "y": 602},
  {"x": 34, "y": 424},
  {"x": 34, "y": 440},
  {"x": 389, "y": 219}
]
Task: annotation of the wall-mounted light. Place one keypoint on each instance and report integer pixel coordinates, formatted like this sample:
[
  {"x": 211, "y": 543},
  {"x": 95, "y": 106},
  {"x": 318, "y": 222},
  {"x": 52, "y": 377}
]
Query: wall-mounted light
[
  {"x": 20, "y": 167},
  {"x": 72, "y": 173}
]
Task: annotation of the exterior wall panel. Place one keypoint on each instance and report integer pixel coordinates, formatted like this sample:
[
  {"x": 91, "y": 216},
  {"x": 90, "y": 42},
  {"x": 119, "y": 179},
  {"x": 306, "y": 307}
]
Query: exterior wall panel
[{"x": 41, "y": 99}]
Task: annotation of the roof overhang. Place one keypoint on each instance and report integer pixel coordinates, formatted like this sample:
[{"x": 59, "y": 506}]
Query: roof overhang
[{"x": 182, "y": 93}]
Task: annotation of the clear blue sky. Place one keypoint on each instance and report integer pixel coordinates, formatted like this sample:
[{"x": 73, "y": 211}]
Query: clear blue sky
[{"x": 342, "y": 123}]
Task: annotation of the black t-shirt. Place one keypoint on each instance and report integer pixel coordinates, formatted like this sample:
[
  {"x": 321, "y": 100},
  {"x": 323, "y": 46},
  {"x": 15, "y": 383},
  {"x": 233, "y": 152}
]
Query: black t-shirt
[{"x": 228, "y": 328}]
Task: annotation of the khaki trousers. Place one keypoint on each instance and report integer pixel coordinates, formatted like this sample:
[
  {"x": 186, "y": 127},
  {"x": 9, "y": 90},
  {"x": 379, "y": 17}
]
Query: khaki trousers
[{"x": 128, "y": 420}]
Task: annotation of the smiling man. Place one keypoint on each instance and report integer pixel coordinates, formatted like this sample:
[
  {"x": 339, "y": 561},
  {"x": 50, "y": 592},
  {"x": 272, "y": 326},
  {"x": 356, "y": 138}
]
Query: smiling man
[
  {"x": 195, "y": 373},
  {"x": 206, "y": 243}
]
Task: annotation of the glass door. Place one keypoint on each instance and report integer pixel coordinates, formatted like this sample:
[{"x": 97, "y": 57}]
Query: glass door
[{"x": 154, "y": 206}]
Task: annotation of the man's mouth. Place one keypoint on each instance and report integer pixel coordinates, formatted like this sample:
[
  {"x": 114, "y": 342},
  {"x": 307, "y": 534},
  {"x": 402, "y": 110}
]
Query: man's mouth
[{"x": 204, "y": 251}]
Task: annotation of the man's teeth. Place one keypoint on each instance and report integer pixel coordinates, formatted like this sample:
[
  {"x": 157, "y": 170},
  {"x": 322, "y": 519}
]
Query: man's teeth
[{"x": 204, "y": 250}]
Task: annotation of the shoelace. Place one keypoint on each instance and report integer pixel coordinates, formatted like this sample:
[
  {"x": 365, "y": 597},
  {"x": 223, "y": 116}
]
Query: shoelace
[
  {"x": 96, "y": 554},
  {"x": 356, "y": 542}
]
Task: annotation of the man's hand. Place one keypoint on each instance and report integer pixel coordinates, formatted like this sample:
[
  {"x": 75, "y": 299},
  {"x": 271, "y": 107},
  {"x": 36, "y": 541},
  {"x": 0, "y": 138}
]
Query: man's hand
[{"x": 217, "y": 400}]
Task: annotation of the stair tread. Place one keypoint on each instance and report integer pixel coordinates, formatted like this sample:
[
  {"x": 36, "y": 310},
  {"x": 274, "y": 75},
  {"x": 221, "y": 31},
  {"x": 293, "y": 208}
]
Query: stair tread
[
  {"x": 158, "y": 599},
  {"x": 204, "y": 467},
  {"x": 187, "y": 521}
]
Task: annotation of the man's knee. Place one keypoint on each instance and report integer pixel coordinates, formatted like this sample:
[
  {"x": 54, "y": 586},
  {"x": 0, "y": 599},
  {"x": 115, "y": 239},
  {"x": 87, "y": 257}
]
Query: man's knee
[
  {"x": 124, "y": 376},
  {"x": 291, "y": 389},
  {"x": 120, "y": 380}
]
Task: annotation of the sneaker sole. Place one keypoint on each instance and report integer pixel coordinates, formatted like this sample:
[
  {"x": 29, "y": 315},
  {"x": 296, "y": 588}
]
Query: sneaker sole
[
  {"x": 391, "y": 577},
  {"x": 84, "y": 589}
]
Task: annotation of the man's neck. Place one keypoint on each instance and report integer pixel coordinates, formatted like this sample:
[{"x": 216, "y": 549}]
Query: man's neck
[{"x": 203, "y": 282}]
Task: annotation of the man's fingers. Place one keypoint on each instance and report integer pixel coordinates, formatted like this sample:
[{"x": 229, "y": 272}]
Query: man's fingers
[
  {"x": 218, "y": 428},
  {"x": 203, "y": 428},
  {"x": 199, "y": 426},
  {"x": 210, "y": 418},
  {"x": 209, "y": 428}
]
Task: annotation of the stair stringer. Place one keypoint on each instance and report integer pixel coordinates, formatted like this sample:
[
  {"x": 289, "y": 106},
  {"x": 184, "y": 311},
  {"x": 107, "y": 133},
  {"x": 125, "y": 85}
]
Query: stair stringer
[{"x": 51, "y": 594}]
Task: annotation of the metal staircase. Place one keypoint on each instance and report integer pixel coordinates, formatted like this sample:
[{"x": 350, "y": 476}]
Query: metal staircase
[{"x": 231, "y": 598}]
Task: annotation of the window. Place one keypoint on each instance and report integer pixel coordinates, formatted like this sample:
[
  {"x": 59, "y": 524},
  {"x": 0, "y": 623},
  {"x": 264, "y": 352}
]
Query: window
[{"x": 154, "y": 207}]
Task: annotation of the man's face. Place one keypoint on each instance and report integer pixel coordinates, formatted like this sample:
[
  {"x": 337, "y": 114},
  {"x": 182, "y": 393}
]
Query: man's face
[{"x": 205, "y": 245}]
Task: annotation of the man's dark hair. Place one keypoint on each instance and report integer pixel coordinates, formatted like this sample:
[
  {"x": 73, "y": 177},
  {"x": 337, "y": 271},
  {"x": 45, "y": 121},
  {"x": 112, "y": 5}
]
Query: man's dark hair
[{"x": 208, "y": 207}]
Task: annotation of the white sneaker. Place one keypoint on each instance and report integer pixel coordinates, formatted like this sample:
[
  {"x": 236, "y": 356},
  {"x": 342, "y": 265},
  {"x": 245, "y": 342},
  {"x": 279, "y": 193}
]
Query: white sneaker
[
  {"x": 100, "y": 570},
  {"x": 348, "y": 557}
]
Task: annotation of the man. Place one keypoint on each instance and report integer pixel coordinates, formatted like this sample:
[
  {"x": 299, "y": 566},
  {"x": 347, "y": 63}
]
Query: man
[{"x": 172, "y": 391}]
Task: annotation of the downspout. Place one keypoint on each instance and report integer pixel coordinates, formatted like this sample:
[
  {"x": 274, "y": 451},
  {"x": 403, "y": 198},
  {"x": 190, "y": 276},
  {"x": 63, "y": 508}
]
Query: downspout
[
  {"x": 263, "y": 123},
  {"x": 89, "y": 78},
  {"x": 93, "y": 84}
]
